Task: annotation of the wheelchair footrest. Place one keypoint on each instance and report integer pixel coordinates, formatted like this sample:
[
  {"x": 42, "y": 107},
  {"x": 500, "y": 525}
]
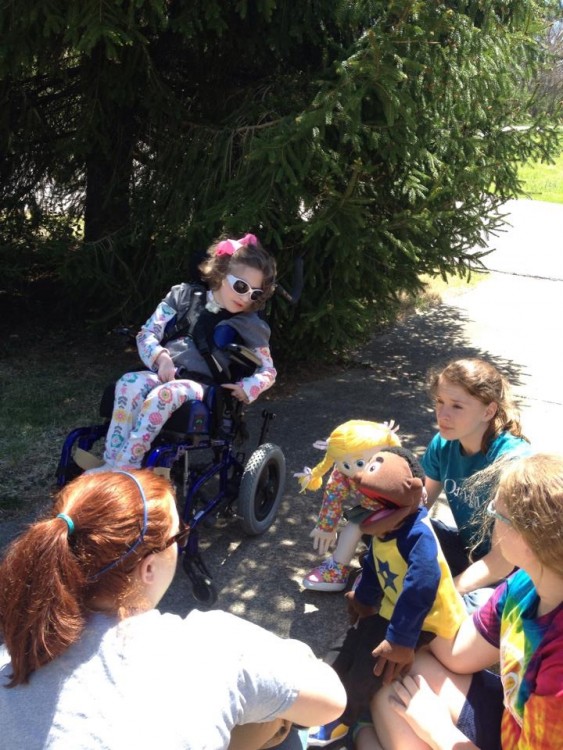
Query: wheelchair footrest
[{"x": 86, "y": 460}]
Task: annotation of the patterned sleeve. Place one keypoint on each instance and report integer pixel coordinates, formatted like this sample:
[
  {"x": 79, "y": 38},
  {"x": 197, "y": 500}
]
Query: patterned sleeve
[
  {"x": 338, "y": 489},
  {"x": 531, "y": 665},
  {"x": 254, "y": 333},
  {"x": 263, "y": 378},
  {"x": 151, "y": 333}
]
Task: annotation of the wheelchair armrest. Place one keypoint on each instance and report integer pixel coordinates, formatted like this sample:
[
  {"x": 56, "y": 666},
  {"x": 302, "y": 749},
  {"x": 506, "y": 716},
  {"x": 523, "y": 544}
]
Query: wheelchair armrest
[{"x": 242, "y": 355}]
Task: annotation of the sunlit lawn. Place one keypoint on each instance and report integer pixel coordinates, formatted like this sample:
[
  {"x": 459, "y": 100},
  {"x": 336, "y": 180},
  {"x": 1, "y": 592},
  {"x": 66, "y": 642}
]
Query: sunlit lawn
[{"x": 543, "y": 182}]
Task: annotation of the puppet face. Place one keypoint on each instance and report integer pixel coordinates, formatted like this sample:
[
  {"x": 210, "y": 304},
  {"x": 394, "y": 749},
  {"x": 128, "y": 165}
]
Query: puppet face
[
  {"x": 352, "y": 463},
  {"x": 388, "y": 482}
]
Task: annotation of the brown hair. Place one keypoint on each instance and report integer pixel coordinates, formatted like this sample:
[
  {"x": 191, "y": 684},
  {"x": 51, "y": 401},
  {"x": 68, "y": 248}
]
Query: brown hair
[
  {"x": 484, "y": 382},
  {"x": 531, "y": 489},
  {"x": 216, "y": 267},
  {"x": 51, "y": 573}
]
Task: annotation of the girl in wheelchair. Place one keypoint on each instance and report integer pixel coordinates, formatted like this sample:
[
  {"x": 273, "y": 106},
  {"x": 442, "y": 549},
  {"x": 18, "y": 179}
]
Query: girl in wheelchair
[{"x": 183, "y": 346}]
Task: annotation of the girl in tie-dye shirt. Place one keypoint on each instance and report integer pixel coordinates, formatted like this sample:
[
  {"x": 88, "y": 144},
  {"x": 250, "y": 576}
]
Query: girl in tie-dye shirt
[
  {"x": 445, "y": 702},
  {"x": 531, "y": 658}
]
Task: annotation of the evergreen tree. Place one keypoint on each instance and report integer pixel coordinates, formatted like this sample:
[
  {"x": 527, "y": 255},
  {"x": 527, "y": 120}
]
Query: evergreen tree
[{"x": 377, "y": 140}]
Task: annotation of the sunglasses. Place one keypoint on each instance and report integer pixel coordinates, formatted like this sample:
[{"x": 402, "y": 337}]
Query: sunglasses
[
  {"x": 180, "y": 538},
  {"x": 492, "y": 511},
  {"x": 242, "y": 288}
]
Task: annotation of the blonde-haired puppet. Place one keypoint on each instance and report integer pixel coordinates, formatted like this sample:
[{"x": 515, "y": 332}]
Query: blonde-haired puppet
[{"x": 348, "y": 449}]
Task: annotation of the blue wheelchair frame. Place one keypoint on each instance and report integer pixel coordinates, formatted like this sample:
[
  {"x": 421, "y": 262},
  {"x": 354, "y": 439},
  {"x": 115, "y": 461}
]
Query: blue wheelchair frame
[{"x": 250, "y": 490}]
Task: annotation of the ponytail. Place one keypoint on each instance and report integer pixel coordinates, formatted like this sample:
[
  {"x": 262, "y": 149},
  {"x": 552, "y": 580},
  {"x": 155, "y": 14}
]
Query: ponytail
[
  {"x": 54, "y": 572},
  {"x": 41, "y": 607}
]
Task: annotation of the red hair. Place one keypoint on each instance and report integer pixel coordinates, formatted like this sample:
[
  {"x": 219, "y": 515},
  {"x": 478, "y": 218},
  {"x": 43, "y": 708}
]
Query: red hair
[{"x": 48, "y": 576}]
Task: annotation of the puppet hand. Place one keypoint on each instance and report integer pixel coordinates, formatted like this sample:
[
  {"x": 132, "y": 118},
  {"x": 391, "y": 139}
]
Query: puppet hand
[
  {"x": 392, "y": 660},
  {"x": 323, "y": 540},
  {"x": 357, "y": 610}
]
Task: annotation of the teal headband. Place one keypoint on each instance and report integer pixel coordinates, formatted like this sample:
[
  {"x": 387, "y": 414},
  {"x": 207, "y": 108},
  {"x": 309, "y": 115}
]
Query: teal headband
[{"x": 69, "y": 522}]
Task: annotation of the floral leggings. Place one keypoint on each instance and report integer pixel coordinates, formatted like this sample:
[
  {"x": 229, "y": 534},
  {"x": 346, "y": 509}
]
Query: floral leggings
[{"x": 141, "y": 406}]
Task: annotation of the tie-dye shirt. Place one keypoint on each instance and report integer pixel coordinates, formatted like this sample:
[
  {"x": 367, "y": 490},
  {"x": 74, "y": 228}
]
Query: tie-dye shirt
[{"x": 531, "y": 660}]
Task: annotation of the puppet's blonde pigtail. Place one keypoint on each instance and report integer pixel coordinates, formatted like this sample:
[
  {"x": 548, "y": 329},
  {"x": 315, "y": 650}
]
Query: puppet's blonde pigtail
[{"x": 313, "y": 481}]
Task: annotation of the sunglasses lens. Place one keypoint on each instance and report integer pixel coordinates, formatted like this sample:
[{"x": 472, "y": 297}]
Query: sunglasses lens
[
  {"x": 241, "y": 287},
  {"x": 183, "y": 538}
]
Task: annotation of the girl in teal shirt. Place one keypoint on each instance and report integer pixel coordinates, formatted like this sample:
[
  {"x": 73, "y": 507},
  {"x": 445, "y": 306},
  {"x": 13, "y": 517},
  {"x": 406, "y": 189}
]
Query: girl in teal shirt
[{"x": 477, "y": 424}]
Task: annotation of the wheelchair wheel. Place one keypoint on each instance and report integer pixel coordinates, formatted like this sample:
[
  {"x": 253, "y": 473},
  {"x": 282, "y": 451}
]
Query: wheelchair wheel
[
  {"x": 261, "y": 488},
  {"x": 205, "y": 592},
  {"x": 202, "y": 587}
]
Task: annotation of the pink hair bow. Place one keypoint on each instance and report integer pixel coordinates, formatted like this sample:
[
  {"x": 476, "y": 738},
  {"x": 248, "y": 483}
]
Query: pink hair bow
[
  {"x": 248, "y": 239},
  {"x": 228, "y": 247}
]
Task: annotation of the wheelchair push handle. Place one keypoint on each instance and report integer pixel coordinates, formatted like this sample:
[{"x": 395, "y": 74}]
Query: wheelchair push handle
[
  {"x": 267, "y": 417},
  {"x": 295, "y": 294}
]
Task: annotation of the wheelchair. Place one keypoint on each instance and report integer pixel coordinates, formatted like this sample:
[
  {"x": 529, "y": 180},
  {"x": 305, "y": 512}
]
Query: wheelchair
[{"x": 223, "y": 482}]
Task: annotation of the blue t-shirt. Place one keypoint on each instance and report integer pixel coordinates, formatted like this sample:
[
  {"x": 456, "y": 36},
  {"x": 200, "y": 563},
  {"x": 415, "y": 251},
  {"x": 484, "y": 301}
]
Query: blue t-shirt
[{"x": 444, "y": 462}]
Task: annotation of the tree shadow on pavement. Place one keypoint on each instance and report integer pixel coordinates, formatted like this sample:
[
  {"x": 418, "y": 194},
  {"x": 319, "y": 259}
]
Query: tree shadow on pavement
[{"x": 259, "y": 578}]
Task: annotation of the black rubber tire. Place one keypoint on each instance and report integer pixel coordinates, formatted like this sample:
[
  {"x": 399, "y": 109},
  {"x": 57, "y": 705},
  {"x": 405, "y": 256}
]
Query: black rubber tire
[
  {"x": 261, "y": 489},
  {"x": 205, "y": 592},
  {"x": 203, "y": 588}
]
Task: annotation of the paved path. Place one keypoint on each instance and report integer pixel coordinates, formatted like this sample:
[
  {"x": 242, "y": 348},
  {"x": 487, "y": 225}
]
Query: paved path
[
  {"x": 512, "y": 318},
  {"x": 515, "y": 315}
]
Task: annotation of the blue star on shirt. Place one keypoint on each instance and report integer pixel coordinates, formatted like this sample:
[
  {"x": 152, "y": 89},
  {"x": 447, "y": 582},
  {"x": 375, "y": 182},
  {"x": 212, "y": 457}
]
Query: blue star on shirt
[{"x": 385, "y": 572}]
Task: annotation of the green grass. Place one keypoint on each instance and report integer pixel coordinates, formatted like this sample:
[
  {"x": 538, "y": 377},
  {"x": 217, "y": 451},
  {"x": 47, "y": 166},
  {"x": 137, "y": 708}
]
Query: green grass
[
  {"x": 543, "y": 182},
  {"x": 51, "y": 384}
]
